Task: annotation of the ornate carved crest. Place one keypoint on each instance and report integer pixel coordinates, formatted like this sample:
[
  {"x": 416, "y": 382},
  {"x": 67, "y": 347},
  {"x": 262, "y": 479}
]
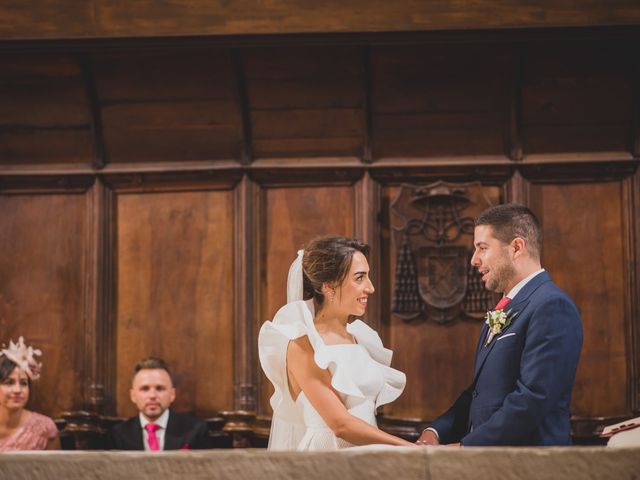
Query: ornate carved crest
[{"x": 432, "y": 229}]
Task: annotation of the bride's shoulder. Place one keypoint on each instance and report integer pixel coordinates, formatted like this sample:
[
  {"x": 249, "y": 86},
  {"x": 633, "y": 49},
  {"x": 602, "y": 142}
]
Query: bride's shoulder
[{"x": 300, "y": 347}]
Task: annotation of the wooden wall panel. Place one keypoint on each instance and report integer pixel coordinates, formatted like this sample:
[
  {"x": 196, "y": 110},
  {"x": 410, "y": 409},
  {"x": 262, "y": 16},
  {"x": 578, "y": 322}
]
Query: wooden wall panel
[
  {"x": 44, "y": 116},
  {"x": 292, "y": 217},
  {"x": 420, "y": 107},
  {"x": 144, "y": 18},
  {"x": 577, "y": 99},
  {"x": 437, "y": 359},
  {"x": 174, "y": 294},
  {"x": 169, "y": 106},
  {"x": 306, "y": 101},
  {"x": 435, "y": 102},
  {"x": 42, "y": 270},
  {"x": 583, "y": 253}
]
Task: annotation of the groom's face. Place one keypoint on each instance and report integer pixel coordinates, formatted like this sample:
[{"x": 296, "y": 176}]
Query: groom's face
[{"x": 493, "y": 260}]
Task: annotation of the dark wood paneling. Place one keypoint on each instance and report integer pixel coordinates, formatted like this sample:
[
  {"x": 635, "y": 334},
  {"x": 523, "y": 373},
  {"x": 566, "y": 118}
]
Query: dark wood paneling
[
  {"x": 435, "y": 102},
  {"x": 42, "y": 268},
  {"x": 99, "y": 331},
  {"x": 169, "y": 106},
  {"x": 291, "y": 218},
  {"x": 306, "y": 101},
  {"x": 577, "y": 99},
  {"x": 246, "y": 245},
  {"x": 633, "y": 321},
  {"x": 174, "y": 294},
  {"x": 583, "y": 253},
  {"x": 104, "y": 18},
  {"x": 44, "y": 116},
  {"x": 437, "y": 359},
  {"x": 321, "y": 129}
]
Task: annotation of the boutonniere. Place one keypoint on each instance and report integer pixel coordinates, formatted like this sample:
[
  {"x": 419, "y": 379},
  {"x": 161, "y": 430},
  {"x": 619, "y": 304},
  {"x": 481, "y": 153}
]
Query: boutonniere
[{"x": 498, "y": 320}]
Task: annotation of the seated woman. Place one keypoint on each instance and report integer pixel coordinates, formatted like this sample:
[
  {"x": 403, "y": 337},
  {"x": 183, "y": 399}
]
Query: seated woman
[
  {"x": 21, "y": 429},
  {"x": 330, "y": 373}
]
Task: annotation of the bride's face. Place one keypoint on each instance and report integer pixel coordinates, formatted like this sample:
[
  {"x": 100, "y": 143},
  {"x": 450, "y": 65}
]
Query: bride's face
[{"x": 351, "y": 297}]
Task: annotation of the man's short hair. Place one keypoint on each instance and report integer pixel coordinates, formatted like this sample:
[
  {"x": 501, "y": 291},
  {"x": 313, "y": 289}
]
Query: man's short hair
[
  {"x": 152, "y": 363},
  {"x": 512, "y": 220}
]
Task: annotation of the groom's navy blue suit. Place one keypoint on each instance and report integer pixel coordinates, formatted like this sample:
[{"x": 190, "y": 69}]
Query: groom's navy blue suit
[{"x": 522, "y": 381}]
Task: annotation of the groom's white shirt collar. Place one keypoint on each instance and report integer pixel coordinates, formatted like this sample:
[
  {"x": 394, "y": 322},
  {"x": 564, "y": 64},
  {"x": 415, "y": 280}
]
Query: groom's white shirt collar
[{"x": 520, "y": 285}]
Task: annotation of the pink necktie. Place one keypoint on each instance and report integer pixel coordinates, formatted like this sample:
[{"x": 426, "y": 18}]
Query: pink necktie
[
  {"x": 151, "y": 428},
  {"x": 504, "y": 301}
]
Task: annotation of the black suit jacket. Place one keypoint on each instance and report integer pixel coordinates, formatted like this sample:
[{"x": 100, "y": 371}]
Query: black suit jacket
[{"x": 183, "y": 432}]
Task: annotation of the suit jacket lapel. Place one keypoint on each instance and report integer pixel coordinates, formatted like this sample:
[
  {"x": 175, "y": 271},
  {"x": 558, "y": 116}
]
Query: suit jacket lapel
[
  {"x": 171, "y": 438},
  {"x": 517, "y": 305},
  {"x": 135, "y": 434},
  {"x": 483, "y": 351}
]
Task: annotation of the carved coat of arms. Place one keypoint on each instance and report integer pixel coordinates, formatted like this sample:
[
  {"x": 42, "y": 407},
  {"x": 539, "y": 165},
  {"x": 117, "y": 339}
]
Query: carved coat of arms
[{"x": 432, "y": 229}]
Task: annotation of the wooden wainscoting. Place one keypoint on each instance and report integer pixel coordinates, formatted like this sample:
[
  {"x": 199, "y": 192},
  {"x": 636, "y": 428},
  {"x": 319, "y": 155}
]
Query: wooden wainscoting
[{"x": 154, "y": 193}]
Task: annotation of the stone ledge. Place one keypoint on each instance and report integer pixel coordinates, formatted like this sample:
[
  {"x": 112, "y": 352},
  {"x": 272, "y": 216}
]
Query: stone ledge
[{"x": 431, "y": 463}]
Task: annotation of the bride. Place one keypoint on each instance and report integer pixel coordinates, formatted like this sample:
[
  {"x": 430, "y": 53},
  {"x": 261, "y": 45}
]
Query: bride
[{"x": 330, "y": 373}]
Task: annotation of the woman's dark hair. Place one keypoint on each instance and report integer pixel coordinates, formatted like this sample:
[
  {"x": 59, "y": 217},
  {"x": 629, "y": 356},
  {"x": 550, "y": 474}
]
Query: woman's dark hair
[
  {"x": 7, "y": 367},
  {"x": 327, "y": 260}
]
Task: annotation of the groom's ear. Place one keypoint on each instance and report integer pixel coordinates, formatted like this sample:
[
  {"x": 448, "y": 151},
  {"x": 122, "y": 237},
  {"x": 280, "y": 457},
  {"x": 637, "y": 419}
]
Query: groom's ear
[{"x": 519, "y": 246}]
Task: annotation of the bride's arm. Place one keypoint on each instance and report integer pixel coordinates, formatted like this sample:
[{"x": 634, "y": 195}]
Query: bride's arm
[{"x": 316, "y": 385}]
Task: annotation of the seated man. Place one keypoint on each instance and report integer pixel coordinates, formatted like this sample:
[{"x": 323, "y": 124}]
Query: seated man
[{"x": 156, "y": 427}]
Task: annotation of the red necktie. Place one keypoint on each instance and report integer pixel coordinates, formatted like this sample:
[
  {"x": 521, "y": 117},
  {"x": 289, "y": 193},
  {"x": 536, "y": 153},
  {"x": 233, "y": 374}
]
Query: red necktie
[
  {"x": 151, "y": 428},
  {"x": 504, "y": 301}
]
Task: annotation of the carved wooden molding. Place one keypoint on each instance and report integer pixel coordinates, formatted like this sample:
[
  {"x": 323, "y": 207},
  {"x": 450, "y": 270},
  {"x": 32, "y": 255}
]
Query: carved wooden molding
[
  {"x": 99, "y": 301},
  {"x": 245, "y": 383}
]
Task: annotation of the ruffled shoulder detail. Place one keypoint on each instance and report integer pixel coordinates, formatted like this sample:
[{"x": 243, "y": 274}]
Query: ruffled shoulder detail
[
  {"x": 371, "y": 341},
  {"x": 336, "y": 359},
  {"x": 288, "y": 324},
  {"x": 292, "y": 321},
  {"x": 295, "y": 320},
  {"x": 394, "y": 380}
]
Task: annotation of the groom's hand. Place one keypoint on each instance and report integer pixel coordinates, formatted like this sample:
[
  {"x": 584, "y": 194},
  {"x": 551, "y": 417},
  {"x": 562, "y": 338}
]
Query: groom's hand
[{"x": 428, "y": 437}]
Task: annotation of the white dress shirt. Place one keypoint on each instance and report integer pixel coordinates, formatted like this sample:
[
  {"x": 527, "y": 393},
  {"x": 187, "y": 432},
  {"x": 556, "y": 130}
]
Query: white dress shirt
[
  {"x": 162, "y": 424},
  {"x": 520, "y": 285}
]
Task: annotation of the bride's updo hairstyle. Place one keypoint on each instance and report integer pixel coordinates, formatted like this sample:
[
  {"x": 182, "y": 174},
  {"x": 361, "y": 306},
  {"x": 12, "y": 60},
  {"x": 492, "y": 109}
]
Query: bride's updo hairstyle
[{"x": 327, "y": 260}]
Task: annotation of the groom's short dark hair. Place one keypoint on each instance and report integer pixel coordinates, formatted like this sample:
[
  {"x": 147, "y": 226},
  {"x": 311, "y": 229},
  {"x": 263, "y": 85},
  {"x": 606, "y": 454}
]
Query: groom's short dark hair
[{"x": 512, "y": 220}]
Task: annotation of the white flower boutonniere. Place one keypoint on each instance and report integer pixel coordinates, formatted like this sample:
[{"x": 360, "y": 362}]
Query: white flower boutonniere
[{"x": 497, "y": 320}]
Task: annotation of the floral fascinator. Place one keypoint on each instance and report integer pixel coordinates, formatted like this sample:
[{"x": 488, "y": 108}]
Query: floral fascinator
[{"x": 24, "y": 357}]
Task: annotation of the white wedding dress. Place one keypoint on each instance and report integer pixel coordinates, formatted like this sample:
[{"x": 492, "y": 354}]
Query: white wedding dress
[{"x": 360, "y": 373}]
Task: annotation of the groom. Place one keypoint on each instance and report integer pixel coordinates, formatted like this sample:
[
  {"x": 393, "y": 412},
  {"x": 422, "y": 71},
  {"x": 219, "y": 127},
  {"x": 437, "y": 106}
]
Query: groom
[{"x": 525, "y": 365}]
